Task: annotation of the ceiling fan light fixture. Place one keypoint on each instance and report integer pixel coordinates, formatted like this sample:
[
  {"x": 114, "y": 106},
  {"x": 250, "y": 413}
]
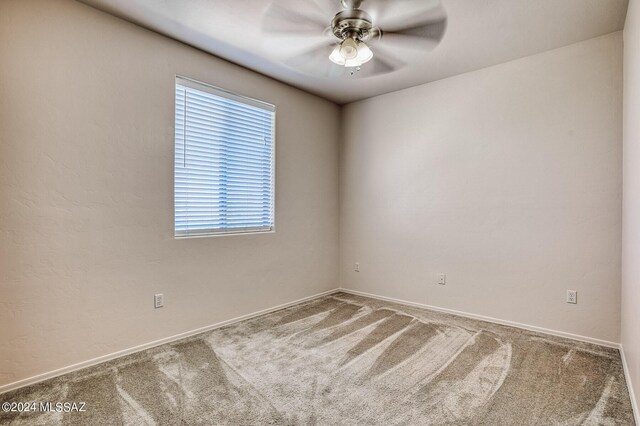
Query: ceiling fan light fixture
[
  {"x": 350, "y": 63},
  {"x": 364, "y": 53},
  {"x": 351, "y": 53},
  {"x": 336, "y": 57},
  {"x": 349, "y": 48}
]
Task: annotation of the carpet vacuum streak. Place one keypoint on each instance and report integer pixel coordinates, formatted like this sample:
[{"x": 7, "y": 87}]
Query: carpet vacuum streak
[{"x": 347, "y": 360}]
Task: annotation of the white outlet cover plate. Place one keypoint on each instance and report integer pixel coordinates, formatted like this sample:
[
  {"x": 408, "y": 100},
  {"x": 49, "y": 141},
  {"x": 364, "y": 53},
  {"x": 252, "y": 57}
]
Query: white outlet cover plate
[{"x": 158, "y": 300}]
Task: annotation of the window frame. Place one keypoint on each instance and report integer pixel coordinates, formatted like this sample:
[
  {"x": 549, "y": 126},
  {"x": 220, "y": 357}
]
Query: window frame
[{"x": 224, "y": 93}]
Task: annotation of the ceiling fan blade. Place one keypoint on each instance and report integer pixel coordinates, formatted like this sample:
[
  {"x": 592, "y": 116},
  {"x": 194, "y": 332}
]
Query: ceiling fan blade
[
  {"x": 380, "y": 64},
  {"x": 316, "y": 62},
  {"x": 409, "y": 42},
  {"x": 295, "y": 44},
  {"x": 431, "y": 31},
  {"x": 326, "y": 8},
  {"x": 397, "y": 15},
  {"x": 400, "y": 46},
  {"x": 281, "y": 19}
]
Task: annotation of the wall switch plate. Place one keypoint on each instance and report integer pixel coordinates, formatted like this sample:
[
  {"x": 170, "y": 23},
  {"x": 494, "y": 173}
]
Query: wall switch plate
[
  {"x": 572, "y": 296},
  {"x": 442, "y": 278},
  {"x": 356, "y": 267},
  {"x": 158, "y": 300}
]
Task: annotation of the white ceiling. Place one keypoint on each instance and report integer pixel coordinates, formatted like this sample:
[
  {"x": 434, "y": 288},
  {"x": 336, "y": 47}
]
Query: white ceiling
[{"x": 480, "y": 33}]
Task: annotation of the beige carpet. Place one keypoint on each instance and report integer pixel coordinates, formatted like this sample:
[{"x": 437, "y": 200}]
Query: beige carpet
[{"x": 347, "y": 360}]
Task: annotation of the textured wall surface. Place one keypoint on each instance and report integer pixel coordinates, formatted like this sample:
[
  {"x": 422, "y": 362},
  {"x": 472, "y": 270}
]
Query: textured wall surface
[
  {"x": 507, "y": 179},
  {"x": 86, "y": 218},
  {"x": 631, "y": 207}
]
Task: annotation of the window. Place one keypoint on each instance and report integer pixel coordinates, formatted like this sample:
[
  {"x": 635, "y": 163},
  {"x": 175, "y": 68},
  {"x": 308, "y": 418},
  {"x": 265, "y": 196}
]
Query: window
[{"x": 224, "y": 162}]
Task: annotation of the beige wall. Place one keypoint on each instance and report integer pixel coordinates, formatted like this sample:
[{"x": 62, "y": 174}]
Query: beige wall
[
  {"x": 631, "y": 207},
  {"x": 86, "y": 165},
  {"x": 507, "y": 179}
]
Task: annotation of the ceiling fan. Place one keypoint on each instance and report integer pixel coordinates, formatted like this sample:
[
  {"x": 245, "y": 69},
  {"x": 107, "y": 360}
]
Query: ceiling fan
[{"x": 383, "y": 34}]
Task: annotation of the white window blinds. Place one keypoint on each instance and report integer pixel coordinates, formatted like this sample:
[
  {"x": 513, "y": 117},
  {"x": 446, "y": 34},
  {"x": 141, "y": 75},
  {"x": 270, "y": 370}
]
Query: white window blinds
[{"x": 224, "y": 162}]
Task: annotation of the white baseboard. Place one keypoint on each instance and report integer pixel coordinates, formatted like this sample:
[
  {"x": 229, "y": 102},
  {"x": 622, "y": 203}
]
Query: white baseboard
[
  {"x": 489, "y": 319},
  {"x": 84, "y": 364},
  {"x": 634, "y": 403},
  {"x": 68, "y": 369},
  {"x": 632, "y": 395}
]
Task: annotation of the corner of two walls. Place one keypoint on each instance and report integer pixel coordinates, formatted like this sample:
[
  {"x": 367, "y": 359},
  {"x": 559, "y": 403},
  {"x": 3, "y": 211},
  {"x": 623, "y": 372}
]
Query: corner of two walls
[
  {"x": 507, "y": 179},
  {"x": 630, "y": 336}
]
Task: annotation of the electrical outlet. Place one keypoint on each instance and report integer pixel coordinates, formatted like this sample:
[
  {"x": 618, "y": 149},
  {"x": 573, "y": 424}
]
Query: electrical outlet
[
  {"x": 356, "y": 267},
  {"x": 572, "y": 296},
  {"x": 158, "y": 300},
  {"x": 442, "y": 279}
]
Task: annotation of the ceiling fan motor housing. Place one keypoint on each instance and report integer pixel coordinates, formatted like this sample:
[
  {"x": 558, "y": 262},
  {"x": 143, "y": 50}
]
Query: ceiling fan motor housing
[{"x": 354, "y": 23}]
